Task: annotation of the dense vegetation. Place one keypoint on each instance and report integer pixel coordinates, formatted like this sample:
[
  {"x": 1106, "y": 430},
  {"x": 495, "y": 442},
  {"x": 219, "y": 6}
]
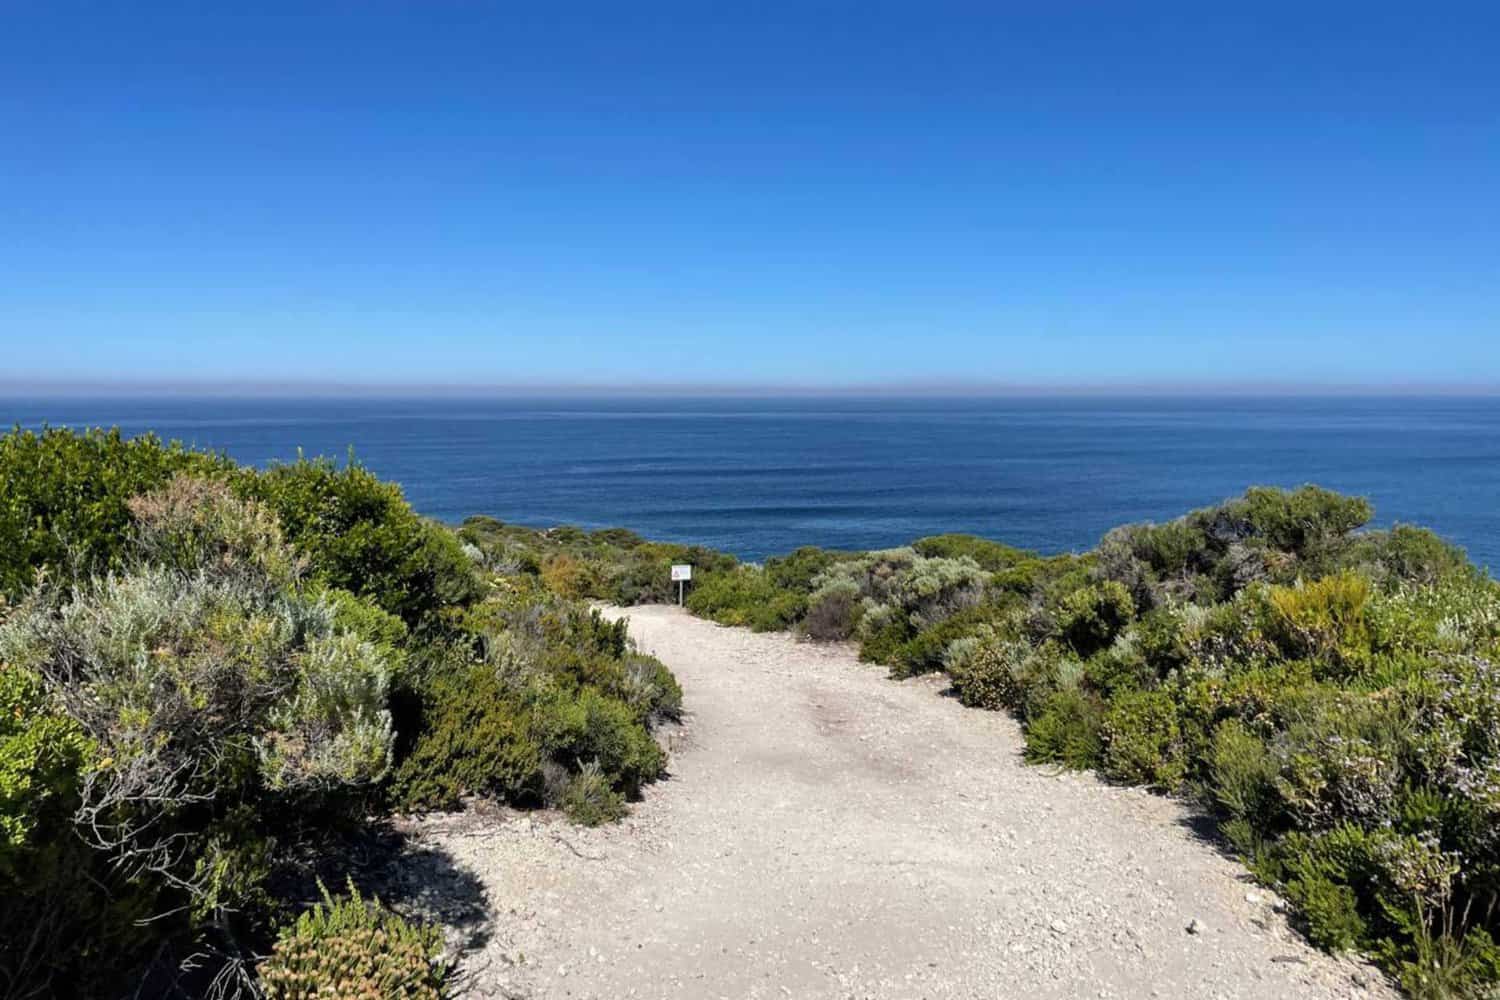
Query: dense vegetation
[
  {"x": 1331, "y": 695},
  {"x": 210, "y": 676}
]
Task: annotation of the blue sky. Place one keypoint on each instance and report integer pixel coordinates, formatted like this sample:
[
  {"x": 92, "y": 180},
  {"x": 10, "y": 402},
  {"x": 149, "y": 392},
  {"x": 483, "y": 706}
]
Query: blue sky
[{"x": 804, "y": 193}]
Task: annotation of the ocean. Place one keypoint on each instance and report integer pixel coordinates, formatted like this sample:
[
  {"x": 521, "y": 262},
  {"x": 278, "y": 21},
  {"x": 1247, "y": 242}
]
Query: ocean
[{"x": 760, "y": 476}]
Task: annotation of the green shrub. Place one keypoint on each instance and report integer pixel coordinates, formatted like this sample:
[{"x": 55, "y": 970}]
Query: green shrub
[
  {"x": 1407, "y": 554},
  {"x": 1323, "y": 619},
  {"x": 1142, "y": 741},
  {"x": 833, "y": 611},
  {"x": 356, "y": 948},
  {"x": 1330, "y": 911},
  {"x": 1091, "y": 617},
  {"x": 991, "y": 556},
  {"x": 933, "y": 589},
  {"x": 590, "y": 800},
  {"x": 605, "y": 731},
  {"x": 1300, "y": 521},
  {"x": 988, "y": 671},
  {"x": 360, "y": 535},
  {"x": 798, "y": 570},
  {"x": 925, "y": 651},
  {"x": 1067, "y": 730},
  {"x": 216, "y": 697},
  {"x": 42, "y": 753},
  {"x": 473, "y": 738},
  {"x": 50, "y": 881},
  {"x": 1161, "y": 638},
  {"x": 651, "y": 689},
  {"x": 63, "y": 498},
  {"x": 1243, "y": 773},
  {"x": 745, "y": 595},
  {"x": 1120, "y": 668},
  {"x": 888, "y": 598},
  {"x": 572, "y": 578}
]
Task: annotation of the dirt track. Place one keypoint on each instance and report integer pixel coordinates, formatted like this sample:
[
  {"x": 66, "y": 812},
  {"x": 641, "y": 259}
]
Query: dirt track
[{"x": 829, "y": 833}]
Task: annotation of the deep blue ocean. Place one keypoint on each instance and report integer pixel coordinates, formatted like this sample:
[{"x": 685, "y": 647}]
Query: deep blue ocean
[{"x": 761, "y": 476}]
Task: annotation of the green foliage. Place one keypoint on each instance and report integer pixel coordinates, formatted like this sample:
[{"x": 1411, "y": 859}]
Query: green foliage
[
  {"x": 1299, "y": 521},
  {"x": 190, "y": 696},
  {"x": 987, "y": 670},
  {"x": 558, "y": 686},
  {"x": 746, "y": 596},
  {"x": 798, "y": 571},
  {"x": 1243, "y": 774},
  {"x": 1067, "y": 730},
  {"x": 835, "y": 610},
  {"x": 473, "y": 739},
  {"x": 1323, "y": 619},
  {"x": 590, "y": 726},
  {"x": 217, "y": 655},
  {"x": 355, "y": 948},
  {"x": 360, "y": 535},
  {"x": 1142, "y": 741},
  {"x": 63, "y": 499},
  {"x": 590, "y": 799},
  {"x": 1330, "y": 910},
  {"x": 992, "y": 557},
  {"x": 42, "y": 752},
  {"x": 887, "y": 598},
  {"x": 1091, "y": 617},
  {"x": 925, "y": 651},
  {"x": 54, "y": 910}
]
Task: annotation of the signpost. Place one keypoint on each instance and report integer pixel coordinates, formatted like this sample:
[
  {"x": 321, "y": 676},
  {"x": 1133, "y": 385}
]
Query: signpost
[{"x": 681, "y": 574}]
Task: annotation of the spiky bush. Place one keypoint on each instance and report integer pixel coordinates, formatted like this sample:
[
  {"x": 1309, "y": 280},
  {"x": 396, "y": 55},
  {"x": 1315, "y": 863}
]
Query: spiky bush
[{"x": 358, "y": 949}]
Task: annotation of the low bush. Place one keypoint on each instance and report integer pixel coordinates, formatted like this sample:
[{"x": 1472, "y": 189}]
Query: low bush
[
  {"x": 1067, "y": 729},
  {"x": 990, "y": 556},
  {"x": 1142, "y": 741},
  {"x": 473, "y": 738},
  {"x": 590, "y": 799},
  {"x": 746, "y": 596},
  {"x": 1091, "y": 617},
  {"x": 196, "y": 692},
  {"x": 984, "y": 669},
  {"x": 834, "y": 611},
  {"x": 360, "y": 535},
  {"x": 356, "y": 948},
  {"x": 64, "y": 499}
]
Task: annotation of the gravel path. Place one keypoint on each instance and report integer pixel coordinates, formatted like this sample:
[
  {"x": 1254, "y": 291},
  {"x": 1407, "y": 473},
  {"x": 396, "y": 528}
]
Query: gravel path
[{"x": 827, "y": 832}]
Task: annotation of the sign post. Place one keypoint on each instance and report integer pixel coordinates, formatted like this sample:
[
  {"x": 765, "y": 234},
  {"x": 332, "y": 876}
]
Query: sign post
[{"x": 681, "y": 574}]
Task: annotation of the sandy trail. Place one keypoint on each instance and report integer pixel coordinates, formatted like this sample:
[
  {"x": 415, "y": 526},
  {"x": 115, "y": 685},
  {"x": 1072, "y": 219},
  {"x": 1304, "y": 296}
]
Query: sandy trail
[{"x": 827, "y": 832}]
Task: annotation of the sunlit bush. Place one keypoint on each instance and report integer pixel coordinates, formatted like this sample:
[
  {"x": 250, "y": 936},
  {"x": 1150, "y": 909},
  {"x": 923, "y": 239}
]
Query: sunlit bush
[{"x": 355, "y": 948}]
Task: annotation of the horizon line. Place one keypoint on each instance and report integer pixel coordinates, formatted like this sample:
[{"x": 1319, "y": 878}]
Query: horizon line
[{"x": 931, "y": 387}]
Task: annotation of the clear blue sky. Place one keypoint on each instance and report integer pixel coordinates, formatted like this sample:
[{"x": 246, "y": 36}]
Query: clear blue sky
[{"x": 805, "y": 192}]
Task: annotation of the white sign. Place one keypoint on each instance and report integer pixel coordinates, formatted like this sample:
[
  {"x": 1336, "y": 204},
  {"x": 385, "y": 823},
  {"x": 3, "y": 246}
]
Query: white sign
[{"x": 682, "y": 572}]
